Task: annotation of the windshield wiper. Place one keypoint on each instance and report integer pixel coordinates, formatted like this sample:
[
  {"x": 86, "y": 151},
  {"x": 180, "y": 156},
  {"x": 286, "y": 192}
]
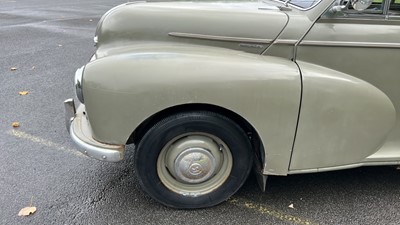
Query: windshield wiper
[{"x": 282, "y": 8}]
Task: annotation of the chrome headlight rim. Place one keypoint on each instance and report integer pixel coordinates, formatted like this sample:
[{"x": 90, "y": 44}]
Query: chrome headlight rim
[{"x": 78, "y": 83}]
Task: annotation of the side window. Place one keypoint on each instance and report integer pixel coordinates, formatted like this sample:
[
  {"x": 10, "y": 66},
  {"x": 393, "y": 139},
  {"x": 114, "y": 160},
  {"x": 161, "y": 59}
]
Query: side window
[
  {"x": 394, "y": 8},
  {"x": 356, "y": 9},
  {"x": 376, "y": 7}
]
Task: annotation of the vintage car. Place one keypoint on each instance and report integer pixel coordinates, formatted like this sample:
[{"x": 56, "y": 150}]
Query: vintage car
[{"x": 208, "y": 90}]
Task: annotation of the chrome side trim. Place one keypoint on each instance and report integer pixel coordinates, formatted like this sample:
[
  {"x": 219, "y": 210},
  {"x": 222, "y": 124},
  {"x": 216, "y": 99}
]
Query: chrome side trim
[
  {"x": 285, "y": 41},
  {"x": 350, "y": 44},
  {"x": 351, "y": 166},
  {"x": 70, "y": 112},
  {"x": 220, "y": 38},
  {"x": 248, "y": 45}
]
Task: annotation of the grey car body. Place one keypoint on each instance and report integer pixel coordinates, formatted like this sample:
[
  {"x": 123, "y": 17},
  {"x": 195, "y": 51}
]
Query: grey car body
[{"x": 313, "y": 86}]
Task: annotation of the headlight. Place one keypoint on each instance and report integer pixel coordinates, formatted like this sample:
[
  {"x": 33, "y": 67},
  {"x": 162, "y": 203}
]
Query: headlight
[
  {"x": 95, "y": 40},
  {"x": 78, "y": 83}
]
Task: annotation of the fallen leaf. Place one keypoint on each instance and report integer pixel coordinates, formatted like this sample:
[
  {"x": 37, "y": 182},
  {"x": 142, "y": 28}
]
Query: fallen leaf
[
  {"x": 291, "y": 206},
  {"x": 23, "y": 93},
  {"x": 13, "y": 68},
  {"x": 27, "y": 211},
  {"x": 15, "y": 124}
]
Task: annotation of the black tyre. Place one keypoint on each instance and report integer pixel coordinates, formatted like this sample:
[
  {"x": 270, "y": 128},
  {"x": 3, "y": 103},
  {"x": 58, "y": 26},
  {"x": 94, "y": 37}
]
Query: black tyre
[{"x": 193, "y": 160}]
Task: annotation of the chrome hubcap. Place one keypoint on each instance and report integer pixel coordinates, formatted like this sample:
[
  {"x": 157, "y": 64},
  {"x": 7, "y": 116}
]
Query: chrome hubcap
[{"x": 194, "y": 165}]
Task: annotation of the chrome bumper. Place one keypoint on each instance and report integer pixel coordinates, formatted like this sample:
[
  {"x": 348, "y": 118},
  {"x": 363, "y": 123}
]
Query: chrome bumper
[{"x": 79, "y": 129}]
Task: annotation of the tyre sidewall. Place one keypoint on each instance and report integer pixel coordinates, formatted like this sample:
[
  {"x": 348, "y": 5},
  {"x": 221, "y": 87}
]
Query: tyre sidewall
[{"x": 159, "y": 135}]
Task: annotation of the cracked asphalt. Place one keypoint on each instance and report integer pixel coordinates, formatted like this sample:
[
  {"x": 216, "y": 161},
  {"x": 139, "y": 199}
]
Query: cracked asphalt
[{"x": 46, "y": 41}]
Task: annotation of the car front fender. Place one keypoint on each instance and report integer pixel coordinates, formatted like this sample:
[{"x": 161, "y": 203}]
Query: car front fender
[{"x": 123, "y": 90}]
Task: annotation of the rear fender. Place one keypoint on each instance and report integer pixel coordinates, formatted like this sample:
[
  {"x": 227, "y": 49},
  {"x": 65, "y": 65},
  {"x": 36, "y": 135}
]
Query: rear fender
[{"x": 343, "y": 120}]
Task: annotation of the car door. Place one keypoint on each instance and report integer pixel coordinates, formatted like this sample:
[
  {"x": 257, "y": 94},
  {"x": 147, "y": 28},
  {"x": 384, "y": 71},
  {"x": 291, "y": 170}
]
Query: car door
[{"x": 360, "y": 48}]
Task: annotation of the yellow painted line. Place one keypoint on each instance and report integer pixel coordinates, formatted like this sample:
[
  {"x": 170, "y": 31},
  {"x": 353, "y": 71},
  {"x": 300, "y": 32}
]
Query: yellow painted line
[
  {"x": 265, "y": 210},
  {"x": 44, "y": 142}
]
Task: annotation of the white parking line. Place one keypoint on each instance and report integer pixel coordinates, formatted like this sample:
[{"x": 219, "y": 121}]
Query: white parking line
[
  {"x": 44, "y": 142},
  {"x": 265, "y": 210}
]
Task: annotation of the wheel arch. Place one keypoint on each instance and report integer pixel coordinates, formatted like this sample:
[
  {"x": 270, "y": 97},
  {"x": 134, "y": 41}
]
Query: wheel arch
[{"x": 252, "y": 134}]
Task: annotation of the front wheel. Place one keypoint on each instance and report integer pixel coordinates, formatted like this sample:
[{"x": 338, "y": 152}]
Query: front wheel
[{"x": 193, "y": 160}]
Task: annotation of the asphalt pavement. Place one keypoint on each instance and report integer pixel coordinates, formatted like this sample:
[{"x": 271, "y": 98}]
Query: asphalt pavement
[{"x": 42, "y": 43}]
